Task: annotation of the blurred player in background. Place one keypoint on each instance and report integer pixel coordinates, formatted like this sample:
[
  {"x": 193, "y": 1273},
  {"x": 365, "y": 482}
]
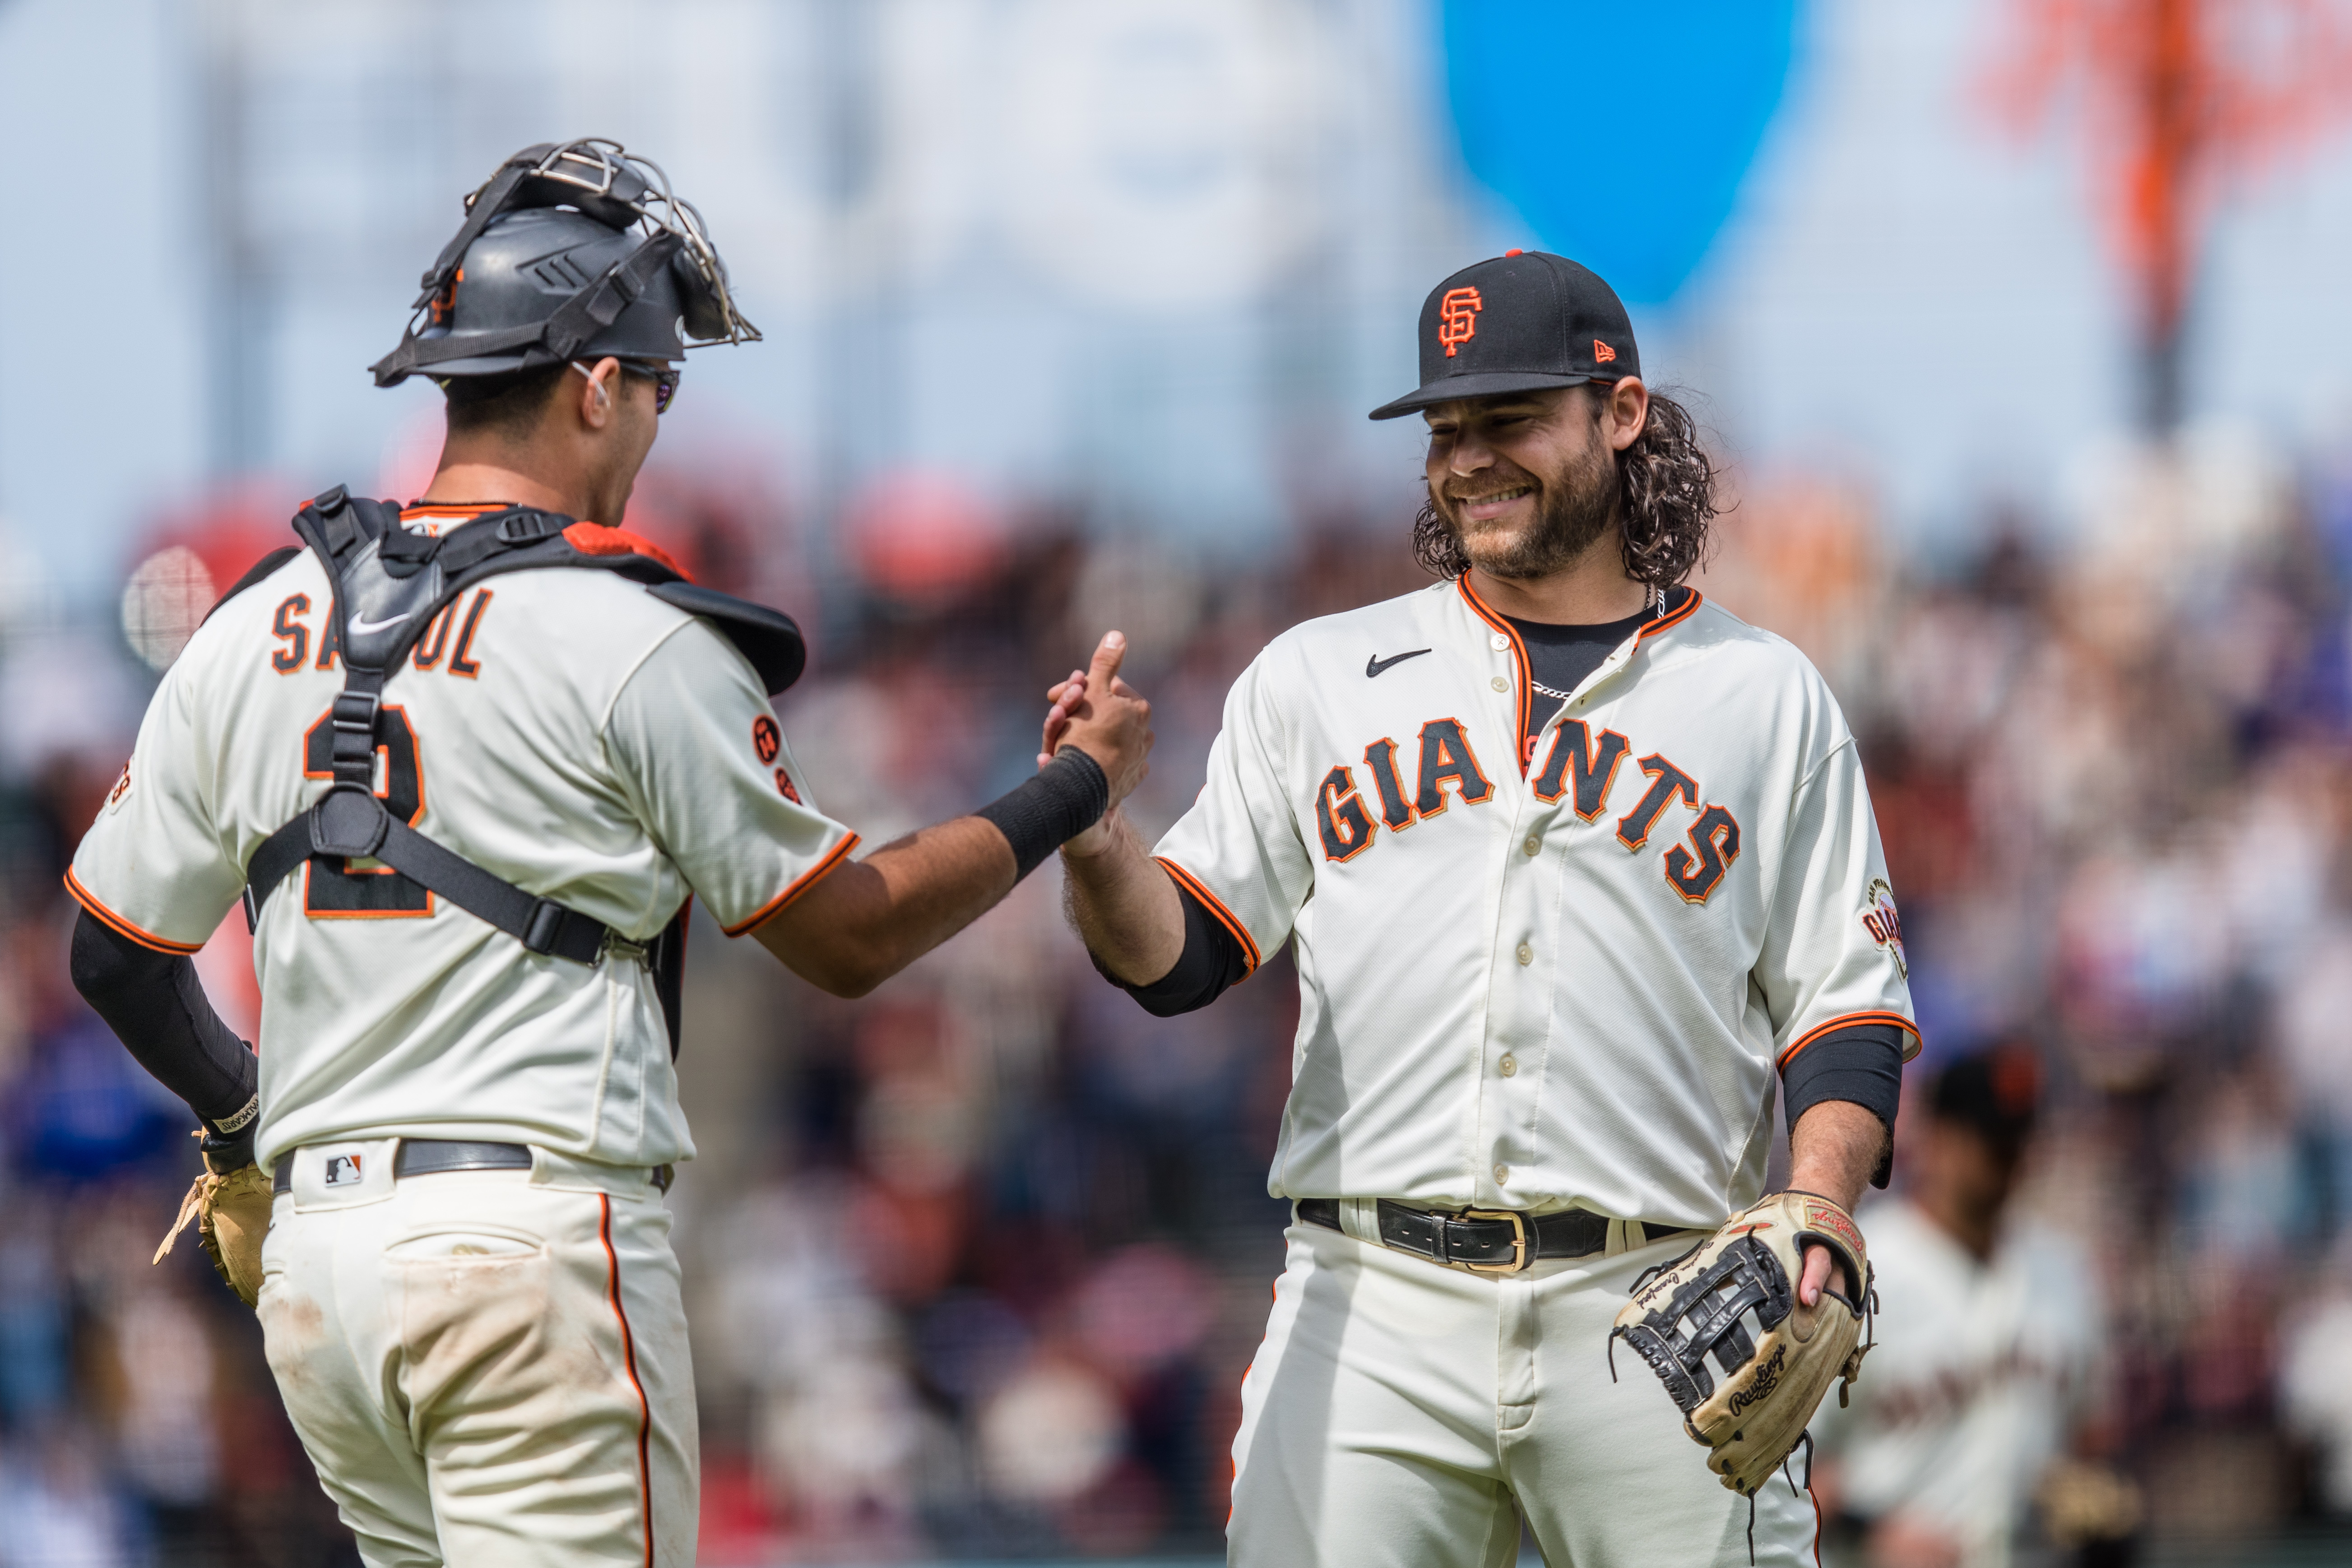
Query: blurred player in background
[{"x": 1988, "y": 1339}]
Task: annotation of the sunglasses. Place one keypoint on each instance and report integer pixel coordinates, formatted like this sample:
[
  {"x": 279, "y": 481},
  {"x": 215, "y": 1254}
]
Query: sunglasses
[{"x": 663, "y": 374}]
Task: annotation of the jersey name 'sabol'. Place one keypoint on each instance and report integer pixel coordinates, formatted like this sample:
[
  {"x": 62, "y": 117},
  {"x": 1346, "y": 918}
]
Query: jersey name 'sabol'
[
  {"x": 566, "y": 730},
  {"x": 1546, "y": 969},
  {"x": 291, "y": 627},
  {"x": 375, "y": 890}
]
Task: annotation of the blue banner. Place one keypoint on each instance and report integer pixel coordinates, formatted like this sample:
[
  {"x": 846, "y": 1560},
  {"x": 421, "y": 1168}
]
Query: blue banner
[{"x": 1620, "y": 133}]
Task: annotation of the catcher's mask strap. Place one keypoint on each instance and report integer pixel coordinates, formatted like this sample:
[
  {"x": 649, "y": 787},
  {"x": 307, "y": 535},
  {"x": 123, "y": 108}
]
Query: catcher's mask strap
[{"x": 601, "y": 178}]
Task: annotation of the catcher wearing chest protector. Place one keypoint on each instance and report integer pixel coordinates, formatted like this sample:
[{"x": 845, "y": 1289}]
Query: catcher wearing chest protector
[
  {"x": 442, "y": 1180},
  {"x": 1578, "y": 872}
]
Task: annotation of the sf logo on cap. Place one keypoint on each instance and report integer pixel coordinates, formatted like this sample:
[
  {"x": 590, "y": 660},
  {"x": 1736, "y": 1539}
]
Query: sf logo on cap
[{"x": 1458, "y": 318}]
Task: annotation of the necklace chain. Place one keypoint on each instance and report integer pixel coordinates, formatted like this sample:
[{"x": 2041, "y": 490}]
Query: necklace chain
[{"x": 1654, "y": 602}]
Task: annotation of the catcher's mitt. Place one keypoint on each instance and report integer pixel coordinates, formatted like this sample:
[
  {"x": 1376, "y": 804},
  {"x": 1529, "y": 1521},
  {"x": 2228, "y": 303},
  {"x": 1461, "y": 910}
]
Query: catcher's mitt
[
  {"x": 1733, "y": 1298},
  {"x": 230, "y": 1203}
]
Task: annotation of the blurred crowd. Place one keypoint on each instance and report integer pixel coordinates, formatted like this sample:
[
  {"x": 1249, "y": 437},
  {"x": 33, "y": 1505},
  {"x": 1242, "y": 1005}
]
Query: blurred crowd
[{"x": 976, "y": 1264}]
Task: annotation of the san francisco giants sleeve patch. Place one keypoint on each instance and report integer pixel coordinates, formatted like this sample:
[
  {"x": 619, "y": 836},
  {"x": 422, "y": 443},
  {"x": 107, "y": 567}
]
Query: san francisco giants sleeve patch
[{"x": 1885, "y": 928}]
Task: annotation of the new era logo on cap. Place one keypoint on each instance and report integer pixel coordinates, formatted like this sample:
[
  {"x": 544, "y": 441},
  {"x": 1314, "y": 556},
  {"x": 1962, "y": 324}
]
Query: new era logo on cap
[{"x": 1523, "y": 321}]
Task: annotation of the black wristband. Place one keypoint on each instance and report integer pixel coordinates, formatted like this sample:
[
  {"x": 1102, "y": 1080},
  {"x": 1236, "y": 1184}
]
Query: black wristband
[{"x": 1068, "y": 796}]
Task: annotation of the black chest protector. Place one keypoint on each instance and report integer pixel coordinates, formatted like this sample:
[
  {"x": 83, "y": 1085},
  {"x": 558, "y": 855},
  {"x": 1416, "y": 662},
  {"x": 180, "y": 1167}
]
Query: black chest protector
[{"x": 390, "y": 583}]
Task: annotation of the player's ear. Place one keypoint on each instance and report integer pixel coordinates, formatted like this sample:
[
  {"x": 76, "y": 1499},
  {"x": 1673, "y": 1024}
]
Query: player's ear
[
  {"x": 1624, "y": 411},
  {"x": 596, "y": 399}
]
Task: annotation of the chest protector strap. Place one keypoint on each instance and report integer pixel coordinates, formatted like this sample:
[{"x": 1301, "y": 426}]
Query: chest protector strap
[{"x": 389, "y": 584}]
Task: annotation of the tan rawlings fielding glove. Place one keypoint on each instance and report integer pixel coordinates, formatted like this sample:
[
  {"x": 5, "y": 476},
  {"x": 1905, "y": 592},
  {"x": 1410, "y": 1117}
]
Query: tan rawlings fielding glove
[
  {"x": 1733, "y": 1301},
  {"x": 230, "y": 1203}
]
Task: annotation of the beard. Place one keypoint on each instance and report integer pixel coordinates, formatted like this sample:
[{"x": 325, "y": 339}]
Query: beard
[{"x": 1574, "y": 509}]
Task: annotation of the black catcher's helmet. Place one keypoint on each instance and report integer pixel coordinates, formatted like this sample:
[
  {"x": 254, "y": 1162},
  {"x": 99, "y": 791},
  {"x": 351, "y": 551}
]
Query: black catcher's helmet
[{"x": 569, "y": 251}]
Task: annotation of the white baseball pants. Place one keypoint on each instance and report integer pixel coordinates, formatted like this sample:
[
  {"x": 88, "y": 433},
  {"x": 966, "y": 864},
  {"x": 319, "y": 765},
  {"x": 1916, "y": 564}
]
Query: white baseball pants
[
  {"x": 1404, "y": 1413},
  {"x": 488, "y": 1368}
]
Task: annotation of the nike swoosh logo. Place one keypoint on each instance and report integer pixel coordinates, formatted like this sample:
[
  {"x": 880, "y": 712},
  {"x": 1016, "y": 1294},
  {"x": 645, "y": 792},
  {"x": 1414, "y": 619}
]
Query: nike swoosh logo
[
  {"x": 1373, "y": 666},
  {"x": 361, "y": 626}
]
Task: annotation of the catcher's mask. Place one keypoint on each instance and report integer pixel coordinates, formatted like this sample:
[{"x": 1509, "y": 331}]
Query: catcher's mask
[{"x": 574, "y": 250}]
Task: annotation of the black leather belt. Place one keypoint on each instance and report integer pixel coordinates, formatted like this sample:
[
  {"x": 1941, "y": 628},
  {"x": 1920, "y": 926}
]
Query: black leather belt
[
  {"x": 429, "y": 1157},
  {"x": 437, "y": 1156},
  {"x": 1486, "y": 1241}
]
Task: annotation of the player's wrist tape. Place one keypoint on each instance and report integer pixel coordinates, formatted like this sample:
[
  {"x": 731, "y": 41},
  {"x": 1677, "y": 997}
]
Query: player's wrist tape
[
  {"x": 236, "y": 1121},
  {"x": 1068, "y": 795}
]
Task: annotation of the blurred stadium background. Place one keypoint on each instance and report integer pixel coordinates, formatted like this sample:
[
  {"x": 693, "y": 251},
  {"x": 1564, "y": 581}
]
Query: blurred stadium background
[{"x": 2021, "y": 325}]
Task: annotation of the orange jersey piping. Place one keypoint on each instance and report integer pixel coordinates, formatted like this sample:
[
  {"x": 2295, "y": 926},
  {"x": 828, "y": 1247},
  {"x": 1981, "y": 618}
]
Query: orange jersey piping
[
  {"x": 629, "y": 1360},
  {"x": 1673, "y": 617},
  {"x": 122, "y": 927},
  {"x": 1518, "y": 656},
  {"x": 1215, "y": 906},
  {"x": 1843, "y": 1021},
  {"x": 452, "y": 509},
  {"x": 801, "y": 884}
]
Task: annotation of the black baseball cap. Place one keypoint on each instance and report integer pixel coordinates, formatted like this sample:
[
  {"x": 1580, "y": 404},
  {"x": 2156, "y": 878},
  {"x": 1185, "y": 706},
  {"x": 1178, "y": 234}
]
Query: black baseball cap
[
  {"x": 1525, "y": 320},
  {"x": 1994, "y": 1092}
]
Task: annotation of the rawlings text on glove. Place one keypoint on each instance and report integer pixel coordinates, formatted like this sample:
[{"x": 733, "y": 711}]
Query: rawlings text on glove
[{"x": 1734, "y": 1301}]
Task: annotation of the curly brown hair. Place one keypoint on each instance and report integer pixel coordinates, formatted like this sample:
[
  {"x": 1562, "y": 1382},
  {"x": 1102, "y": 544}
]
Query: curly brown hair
[{"x": 1666, "y": 490}]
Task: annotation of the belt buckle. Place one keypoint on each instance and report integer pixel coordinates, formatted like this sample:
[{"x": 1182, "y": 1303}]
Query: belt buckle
[{"x": 1521, "y": 1260}]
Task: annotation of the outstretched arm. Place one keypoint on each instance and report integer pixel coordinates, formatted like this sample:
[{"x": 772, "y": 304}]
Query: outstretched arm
[
  {"x": 1125, "y": 907},
  {"x": 868, "y": 919}
]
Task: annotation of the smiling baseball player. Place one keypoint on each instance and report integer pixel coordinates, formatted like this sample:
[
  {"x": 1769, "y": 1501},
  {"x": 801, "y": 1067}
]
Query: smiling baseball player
[
  {"x": 465, "y": 762},
  {"x": 1577, "y": 869}
]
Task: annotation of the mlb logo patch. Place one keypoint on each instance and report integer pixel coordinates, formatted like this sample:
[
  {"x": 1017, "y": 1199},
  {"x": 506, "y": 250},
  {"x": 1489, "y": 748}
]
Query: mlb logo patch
[{"x": 343, "y": 1170}]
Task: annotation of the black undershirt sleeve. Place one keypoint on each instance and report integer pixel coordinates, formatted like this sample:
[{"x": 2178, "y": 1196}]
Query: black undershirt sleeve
[
  {"x": 157, "y": 1009},
  {"x": 1211, "y": 960},
  {"x": 1863, "y": 1064}
]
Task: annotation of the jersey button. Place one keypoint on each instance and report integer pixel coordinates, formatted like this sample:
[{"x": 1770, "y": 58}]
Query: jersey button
[
  {"x": 1502, "y": 1175},
  {"x": 1534, "y": 846},
  {"x": 1500, "y": 643},
  {"x": 1508, "y": 1066},
  {"x": 1527, "y": 953},
  {"x": 1499, "y": 684}
]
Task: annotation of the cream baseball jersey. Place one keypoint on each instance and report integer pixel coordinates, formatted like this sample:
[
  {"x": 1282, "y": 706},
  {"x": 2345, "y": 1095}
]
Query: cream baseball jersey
[
  {"x": 1562, "y": 972},
  {"x": 1979, "y": 1372},
  {"x": 561, "y": 728}
]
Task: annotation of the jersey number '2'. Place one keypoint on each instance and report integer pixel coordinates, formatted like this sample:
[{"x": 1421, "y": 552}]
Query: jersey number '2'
[{"x": 333, "y": 889}]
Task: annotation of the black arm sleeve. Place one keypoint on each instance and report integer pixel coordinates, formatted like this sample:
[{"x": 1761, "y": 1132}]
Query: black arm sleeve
[
  {"x": 1863, "y": 1064},
  {"x": 1211, "y": 960},
  {"x": 157, "y": 1009}
]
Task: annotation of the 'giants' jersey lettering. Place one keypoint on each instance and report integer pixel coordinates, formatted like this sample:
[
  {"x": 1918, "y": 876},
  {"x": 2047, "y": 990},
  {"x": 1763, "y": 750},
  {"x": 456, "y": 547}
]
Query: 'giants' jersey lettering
[
  {"x": 1347, "y": 828},
  {"x": 1553, "y": 974}
]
